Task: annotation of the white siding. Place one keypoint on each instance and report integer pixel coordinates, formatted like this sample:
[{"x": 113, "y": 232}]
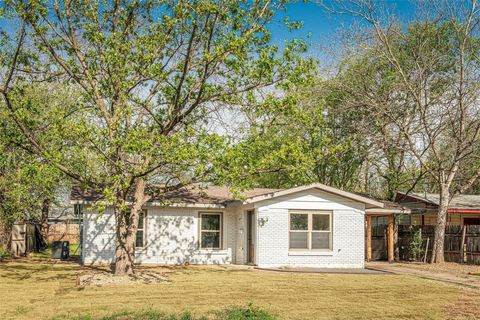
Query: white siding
[
  {"x": 171, "y": 238},
  {"x": 348, "y": 231}
]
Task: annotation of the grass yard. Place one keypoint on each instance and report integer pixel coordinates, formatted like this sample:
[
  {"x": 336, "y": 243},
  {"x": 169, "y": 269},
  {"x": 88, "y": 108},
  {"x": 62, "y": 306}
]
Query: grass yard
[{"x": 45, "y": 291}]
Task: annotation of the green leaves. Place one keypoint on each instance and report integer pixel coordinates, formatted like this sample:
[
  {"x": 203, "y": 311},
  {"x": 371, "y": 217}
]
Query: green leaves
[
  {"x": 293, "y": 140},
  {"x": 146, "y": 76}
]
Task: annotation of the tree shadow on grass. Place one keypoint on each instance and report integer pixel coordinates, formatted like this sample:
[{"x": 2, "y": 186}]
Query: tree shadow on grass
[{"x": 43, "y": 272}]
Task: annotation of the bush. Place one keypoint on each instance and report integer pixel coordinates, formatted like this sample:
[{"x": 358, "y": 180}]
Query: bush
[
  {"x": 3, "y": 253},
  {"x": 248, "y": 312},
  {"x": 151, "y": 315},
  {"x": 143, "y": 315},
  {"x": 244, "y": 313},
  {"x": 416, "y": 243}
]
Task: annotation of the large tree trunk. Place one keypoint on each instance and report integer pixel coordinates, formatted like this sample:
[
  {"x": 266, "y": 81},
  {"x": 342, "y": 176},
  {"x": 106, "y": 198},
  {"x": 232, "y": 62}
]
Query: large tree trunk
[
  {"x": 126, "y": 231},
  {"x": 439, "y": 238},
  {"x": 125, "y": 248},
  {"x": 44, "y": 219},
  {"x": 5, "y": 232}
]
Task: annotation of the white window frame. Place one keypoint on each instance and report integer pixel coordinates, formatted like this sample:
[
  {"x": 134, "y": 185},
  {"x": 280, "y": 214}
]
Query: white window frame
[
  {"x": 200, "y": 230},
  {"x": 310, "y": 231},
  {"x": 144, "y": 229}
]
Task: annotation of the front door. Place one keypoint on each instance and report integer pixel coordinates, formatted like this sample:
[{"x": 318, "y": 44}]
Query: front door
[{"x": 250, "y": 242}]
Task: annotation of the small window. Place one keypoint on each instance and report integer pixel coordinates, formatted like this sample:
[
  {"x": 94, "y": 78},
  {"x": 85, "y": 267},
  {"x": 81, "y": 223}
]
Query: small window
[
  {"x": 310, "y": 230},
  {"x": 140, "y": 238},
  {"x": 210, "y": 230}
]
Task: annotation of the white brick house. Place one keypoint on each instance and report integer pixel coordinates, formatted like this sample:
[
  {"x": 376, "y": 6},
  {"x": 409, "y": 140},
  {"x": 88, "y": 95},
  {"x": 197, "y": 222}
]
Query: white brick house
[{"x": 314, "y": 225}]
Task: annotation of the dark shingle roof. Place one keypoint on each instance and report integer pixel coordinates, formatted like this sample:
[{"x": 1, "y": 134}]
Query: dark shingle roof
[
  {"x": 463, "y": 201},
  {"x": 190, "y": 195}
]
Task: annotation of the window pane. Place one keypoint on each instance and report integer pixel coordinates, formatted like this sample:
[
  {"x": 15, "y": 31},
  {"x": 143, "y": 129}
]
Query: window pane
[
  {"x": 320, "y": 240},
  {"x": 298, "y": 240},
  {"x": 210, "y": 240},
  {"x": 298, "y": 221},
  {"x": 321, "y": 222},
  {"x": 140, "y": 221},
  {"x": 210, "y": 222},
  {"x": 139, "y": 239}
]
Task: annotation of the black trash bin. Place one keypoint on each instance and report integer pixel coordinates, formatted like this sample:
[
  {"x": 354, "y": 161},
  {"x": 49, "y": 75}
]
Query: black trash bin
[{"x": 60, "y": 250}]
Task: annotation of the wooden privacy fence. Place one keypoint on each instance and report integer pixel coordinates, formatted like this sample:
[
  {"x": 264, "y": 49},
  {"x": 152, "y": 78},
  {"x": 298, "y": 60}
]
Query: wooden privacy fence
[
  {"x": 65, "y": 232},
  {"x": 462, "y": 243}
]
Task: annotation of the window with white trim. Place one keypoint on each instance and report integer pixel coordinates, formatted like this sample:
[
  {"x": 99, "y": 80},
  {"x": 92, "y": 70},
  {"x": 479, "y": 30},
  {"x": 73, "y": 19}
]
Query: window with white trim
[
  {"x": 310, "y": 230},
  {"x": 140, "y": 237},
  {"x": 211, "y": 230}
]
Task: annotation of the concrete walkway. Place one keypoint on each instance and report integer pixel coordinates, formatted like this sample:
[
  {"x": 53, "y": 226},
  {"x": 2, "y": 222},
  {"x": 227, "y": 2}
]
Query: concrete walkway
[
  {"x": 325, "y": 270},
  {"x": 466, "y": 280}
]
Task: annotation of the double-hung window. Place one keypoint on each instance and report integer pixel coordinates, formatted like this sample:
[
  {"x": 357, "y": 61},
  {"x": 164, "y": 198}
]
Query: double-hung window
[
  {"x": 310, "y": 230},
  {"x": 140, "y": 238},
  {"x": 210, "y": 230}
]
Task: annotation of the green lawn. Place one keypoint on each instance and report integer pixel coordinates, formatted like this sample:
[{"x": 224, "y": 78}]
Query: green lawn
[{"x": 38, "y": 290}]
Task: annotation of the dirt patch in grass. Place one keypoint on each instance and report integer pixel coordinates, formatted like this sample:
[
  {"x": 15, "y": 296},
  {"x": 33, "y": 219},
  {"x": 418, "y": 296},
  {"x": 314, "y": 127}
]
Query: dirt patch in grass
[
  {"x": 465, "y": 307},
  {"x": 101, "y": 277}
]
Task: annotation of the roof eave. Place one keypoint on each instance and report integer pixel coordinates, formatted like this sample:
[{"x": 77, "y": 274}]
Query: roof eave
[
  {"x": 388, "y": 210},
  {"x": 160, "y": 204}
]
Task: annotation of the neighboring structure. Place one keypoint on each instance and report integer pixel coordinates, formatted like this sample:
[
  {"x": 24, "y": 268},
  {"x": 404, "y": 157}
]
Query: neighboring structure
[
  {"x": 463, "y": 209},
  {"x": 313, "y": 225},
  {"x": 64, "y": 221},
  {"x": 26, "y": 238},
  {"x": 65, "y": 231},
  {"x": 393, "y": 213}
]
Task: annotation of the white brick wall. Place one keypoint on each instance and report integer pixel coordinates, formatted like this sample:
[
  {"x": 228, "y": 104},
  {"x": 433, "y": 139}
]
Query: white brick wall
[
  {"x": 172, "y": 234},
  {"x": 171, "y": 238},
  {"x": 98, "y": 237},
  {"x": 348, "y": 232}
]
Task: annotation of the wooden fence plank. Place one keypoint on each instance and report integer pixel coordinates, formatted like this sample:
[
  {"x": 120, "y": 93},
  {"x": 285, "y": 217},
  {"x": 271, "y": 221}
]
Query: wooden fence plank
[{"x": 453, "y": 242}]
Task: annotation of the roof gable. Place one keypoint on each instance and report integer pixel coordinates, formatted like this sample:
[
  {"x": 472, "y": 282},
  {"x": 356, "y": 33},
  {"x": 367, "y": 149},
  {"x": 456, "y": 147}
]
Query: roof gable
[{"x": 369, "y": 203}]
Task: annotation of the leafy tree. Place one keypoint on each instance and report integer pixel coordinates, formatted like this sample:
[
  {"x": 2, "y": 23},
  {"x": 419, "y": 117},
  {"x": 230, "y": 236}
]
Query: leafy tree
[
  {"x": 305, "y": 139},
  {"x": 150, "y": 72},
  {"x": 436, "y": 63},
  {"x": 366, "y": 82},
  {"x": 28, "y": 184},
  {"x": 332, "y": 130}
]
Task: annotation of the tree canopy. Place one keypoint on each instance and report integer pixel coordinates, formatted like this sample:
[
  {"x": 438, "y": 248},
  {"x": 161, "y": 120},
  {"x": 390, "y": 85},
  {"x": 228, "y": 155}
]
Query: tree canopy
[{"x": 148, "y": 75}]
